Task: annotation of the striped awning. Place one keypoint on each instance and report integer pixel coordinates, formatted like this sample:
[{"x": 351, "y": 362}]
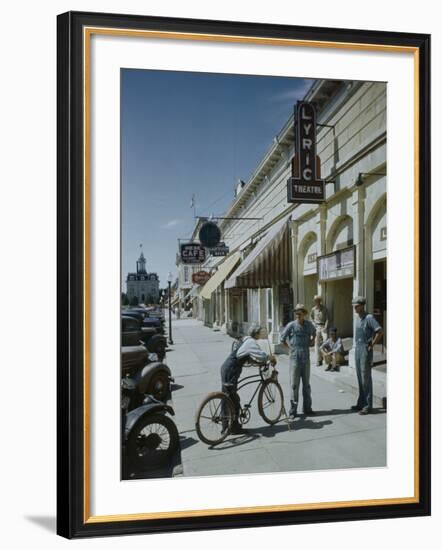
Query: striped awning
[
  {"x": 224, "y": 270},
  {"x": 268, "y": 263}
]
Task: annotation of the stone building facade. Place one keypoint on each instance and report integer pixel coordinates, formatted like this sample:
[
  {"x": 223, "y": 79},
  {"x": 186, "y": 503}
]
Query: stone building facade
[
  {"x": 337, "y": 249},
  {"x": 145, "y": 286}
]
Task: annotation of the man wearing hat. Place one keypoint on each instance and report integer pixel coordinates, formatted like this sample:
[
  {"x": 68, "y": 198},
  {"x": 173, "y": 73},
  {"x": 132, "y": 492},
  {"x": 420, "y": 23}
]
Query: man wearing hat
[
  {"x": 319, "y": 317},
  {"x": 298, "y": 336},
  {"x": 367, "y": 333}
]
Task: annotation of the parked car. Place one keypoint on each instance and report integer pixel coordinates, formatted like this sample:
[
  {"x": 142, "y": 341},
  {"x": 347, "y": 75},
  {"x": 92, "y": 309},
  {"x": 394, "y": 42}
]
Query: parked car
[
  {"x": 150, "y": 436},
  {"x": 133, "y": 332},
  {"x": 133, "y": 313},
  {"x": 154, "y": 322},
  {"x": 152, "y": 376}
]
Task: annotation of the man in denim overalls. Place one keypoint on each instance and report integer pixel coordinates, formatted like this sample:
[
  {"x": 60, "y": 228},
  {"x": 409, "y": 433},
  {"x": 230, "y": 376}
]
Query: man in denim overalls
[
  {"x": 367, "y": 333},
  {"x": 298, "y": 336}
]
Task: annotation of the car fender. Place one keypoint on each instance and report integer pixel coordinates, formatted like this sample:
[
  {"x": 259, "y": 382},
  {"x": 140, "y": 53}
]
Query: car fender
[
  {"x": 148, "y": 371},
  {"x": 135, "y": 415}
]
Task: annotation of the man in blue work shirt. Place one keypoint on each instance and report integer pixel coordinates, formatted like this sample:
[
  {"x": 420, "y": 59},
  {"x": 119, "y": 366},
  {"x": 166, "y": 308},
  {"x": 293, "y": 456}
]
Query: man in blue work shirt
[
  {"x": 298, "y": 336},
  {"x": 367, "y": 333}
]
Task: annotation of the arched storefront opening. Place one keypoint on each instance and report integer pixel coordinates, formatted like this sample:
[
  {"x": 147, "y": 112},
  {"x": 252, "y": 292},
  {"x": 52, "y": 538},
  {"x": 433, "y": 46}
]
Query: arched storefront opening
[
  {"x": 338, "y": 280},
  {"x": 307, "y": 268}
]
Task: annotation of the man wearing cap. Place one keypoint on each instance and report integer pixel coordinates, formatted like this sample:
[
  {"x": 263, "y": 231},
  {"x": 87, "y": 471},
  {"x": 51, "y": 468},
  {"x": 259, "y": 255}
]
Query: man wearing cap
[
  {"x": 367, "y": 333},
  {"x": 298, "y": 336},
  {"x": 319, "y": 317},
  {"x": 332, "y": 350}
]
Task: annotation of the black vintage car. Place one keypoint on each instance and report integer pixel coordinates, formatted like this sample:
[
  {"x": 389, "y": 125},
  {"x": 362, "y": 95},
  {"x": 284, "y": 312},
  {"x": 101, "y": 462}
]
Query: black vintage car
[
  {"x": 133, "y": 330},
  {"x": 138, "y": 346},
  {"x": 154, "y": 322},
  {"x": 151, "y": 377}
]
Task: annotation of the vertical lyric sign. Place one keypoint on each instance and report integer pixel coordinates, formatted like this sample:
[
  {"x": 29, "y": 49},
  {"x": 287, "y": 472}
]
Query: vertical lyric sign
[{"x": 305, "y": 185}]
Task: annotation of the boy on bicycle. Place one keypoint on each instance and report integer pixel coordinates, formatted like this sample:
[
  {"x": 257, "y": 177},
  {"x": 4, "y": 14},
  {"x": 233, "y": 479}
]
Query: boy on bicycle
[{"x": 249, "y": 350}]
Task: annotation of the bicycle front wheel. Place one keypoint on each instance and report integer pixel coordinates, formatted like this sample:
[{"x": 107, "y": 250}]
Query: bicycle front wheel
[
  {"x": 214, "y": 418},
  {"x": 270, "y": 401}
]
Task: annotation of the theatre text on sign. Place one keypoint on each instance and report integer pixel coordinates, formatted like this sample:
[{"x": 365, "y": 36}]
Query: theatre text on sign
[{"x": 305, "y": 184}]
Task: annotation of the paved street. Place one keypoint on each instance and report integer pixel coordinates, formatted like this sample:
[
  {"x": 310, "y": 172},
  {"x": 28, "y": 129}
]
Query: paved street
[{"x": 335, "y": 437}]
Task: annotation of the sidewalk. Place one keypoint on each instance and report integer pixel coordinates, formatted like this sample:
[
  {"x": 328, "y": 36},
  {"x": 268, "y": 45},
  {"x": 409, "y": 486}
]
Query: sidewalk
[{"x": 334, "y": 438}]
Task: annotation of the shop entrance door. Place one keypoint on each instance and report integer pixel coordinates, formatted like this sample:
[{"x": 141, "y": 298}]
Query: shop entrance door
[
  {"x": 339, "y": 297},
  {"x": 310, "y": 289}
]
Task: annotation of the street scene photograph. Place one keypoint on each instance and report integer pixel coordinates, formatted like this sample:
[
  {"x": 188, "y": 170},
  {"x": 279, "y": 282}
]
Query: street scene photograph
[{"x": 253, "y": 274}]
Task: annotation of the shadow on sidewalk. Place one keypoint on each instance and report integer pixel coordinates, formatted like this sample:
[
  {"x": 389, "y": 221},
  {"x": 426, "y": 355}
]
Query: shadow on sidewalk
[
  {"x": 268, "y": 432},
  {"x": 304, "y": 424},
  {"x": 233, "y": 441},
  {"x": 336, "y": 412},
  {"x": 186, "y": 442}
]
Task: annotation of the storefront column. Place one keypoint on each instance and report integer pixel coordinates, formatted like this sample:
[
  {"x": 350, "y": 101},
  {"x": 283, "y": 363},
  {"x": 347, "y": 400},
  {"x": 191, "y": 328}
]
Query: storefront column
[
  {"x": 226, "y": 319},
  {"x": 358, "y": 202},
  {"x": 358, "y": 212},
  {"x": 275, "y": 334},
  {"x": 295, "y": 270},
  {"x": 216, "y": 313},
  {"x": 322, "y": 245}
]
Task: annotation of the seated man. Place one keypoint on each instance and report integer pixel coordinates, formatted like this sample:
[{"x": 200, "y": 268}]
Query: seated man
[
  {"x": 249, "y": 350},
  {"x": 332, "y": 350}
]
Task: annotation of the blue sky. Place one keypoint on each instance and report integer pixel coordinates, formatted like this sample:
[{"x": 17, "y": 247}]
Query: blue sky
[{"x": 190, "y": 133}]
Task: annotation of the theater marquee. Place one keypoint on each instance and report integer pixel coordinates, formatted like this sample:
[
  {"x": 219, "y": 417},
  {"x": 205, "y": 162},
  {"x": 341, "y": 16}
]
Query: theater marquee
[{"x": 305, "y": 184}]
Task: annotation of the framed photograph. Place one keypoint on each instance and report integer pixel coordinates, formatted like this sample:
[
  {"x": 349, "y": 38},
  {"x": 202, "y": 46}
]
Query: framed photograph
[{"x": 243, "y": 274}]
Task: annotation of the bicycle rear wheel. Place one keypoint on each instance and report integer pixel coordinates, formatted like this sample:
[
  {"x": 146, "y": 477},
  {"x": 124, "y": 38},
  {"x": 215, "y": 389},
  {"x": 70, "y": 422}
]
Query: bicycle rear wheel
[
  {"x": 270, "y": 401},
  {"x": 214, "y": 418}
]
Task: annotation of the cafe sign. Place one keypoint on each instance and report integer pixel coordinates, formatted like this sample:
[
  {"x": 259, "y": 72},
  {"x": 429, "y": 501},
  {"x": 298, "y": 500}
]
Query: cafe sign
[
  {"x": 192, "y": 253},
  {"x": 337, "y": 265},
  {"x": 305, "y": 185}
]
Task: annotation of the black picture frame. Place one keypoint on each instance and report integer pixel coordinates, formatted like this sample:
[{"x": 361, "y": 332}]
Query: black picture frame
[{"x": 72, "y": 516}]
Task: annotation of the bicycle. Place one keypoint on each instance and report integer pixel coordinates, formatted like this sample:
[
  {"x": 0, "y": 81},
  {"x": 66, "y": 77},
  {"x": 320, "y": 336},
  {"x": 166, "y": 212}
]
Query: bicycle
[{"x": 216, "y": 413}]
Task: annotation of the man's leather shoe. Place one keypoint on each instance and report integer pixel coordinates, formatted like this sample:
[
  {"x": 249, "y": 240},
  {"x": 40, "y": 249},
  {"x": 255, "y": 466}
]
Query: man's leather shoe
[
  {"x": 365, "y": 410},
  {"x": 356, "y": 408},
  {"x": 309, "y": 412},
  {"x": 238, "y": 429}
]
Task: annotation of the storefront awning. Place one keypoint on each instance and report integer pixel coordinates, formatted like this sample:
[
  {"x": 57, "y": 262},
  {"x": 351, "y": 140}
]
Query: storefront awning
[
  {"x": 268, "y": 263},
  {"x": 224, "y": 271},
  {"x": 194, "y": 292}
]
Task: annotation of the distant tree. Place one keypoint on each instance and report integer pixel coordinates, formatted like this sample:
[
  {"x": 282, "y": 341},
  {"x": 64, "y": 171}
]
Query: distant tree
[
  {"x": 134, "y": 301},
  {"x": 124, "y": 299}
]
